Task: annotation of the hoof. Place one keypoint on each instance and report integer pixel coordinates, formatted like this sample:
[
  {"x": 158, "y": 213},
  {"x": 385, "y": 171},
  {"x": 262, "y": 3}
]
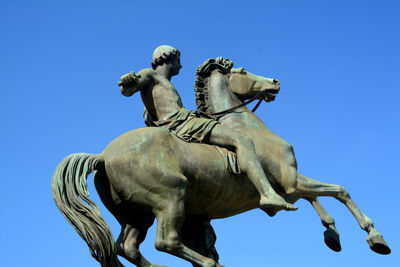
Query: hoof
[
  {"x": 331, "y": 238},
  {"x": 378, "y": 244}
]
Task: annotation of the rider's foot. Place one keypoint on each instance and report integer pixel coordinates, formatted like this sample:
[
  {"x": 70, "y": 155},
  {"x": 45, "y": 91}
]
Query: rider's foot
[{"x": 268, "y": 202}]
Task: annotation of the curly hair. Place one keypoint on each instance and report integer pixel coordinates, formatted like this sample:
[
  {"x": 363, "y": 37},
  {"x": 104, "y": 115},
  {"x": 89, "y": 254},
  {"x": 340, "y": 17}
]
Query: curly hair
[{"x": 163, "y": 54}]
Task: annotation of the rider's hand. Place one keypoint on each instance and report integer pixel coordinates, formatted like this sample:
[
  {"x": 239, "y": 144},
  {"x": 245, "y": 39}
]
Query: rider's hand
[{"x": 128, "y": 83}]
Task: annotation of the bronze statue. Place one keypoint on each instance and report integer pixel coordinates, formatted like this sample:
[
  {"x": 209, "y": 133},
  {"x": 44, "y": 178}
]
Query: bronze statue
[
  {"x": 164, "y": 108},
  {"x": 154, "y": 172}
]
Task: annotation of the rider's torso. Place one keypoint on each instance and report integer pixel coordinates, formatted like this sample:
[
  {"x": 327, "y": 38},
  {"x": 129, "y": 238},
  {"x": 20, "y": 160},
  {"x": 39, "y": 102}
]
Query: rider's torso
[{"x": 160, "y": 97}]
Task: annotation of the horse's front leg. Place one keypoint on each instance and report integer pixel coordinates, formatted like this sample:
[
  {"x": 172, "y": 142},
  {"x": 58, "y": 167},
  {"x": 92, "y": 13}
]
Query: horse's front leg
[
  {"x": 331, "y": 235},
  {"x": 308, "y": 188}
]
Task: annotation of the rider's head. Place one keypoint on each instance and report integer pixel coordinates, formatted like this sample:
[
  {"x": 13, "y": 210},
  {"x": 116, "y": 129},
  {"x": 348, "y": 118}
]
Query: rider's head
[{"x": 166, "y": 54}]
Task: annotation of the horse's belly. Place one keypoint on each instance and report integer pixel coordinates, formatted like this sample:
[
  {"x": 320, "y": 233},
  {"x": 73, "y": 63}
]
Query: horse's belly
[{"x": 225, "y": 200}]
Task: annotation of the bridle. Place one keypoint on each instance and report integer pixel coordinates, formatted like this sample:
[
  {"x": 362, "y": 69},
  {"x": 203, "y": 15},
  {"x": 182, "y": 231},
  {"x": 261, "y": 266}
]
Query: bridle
[{"x": 220, "y": 114}]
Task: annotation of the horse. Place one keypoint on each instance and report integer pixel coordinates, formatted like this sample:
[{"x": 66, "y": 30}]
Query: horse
[
  {"x": 218, "y": 89},
  {"x": 150, "y": 173}
]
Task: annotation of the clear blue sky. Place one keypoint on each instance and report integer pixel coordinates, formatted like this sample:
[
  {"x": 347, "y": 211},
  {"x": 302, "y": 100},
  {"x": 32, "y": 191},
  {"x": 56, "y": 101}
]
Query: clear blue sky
[{"x": 339, "y": 67}]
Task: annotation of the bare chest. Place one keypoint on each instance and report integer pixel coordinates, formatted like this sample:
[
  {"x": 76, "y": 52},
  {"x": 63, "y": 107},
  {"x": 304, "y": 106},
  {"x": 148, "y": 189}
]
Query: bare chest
[{"x": 161, "y": 98}]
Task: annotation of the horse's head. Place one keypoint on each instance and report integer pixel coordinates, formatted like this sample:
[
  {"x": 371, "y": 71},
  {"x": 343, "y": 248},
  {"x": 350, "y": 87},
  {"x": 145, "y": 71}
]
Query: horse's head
[
  {"x": 243, "y": 84},
  {"x": 246, "y": 85}
]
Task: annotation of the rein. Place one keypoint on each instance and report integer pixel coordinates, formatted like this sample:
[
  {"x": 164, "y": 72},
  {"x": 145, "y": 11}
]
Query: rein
[{"x": 224, "y": 112}]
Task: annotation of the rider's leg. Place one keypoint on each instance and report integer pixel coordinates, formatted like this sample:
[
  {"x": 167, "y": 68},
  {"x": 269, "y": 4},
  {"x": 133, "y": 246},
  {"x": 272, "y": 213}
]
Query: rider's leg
[{"x": 249, "y": 163}]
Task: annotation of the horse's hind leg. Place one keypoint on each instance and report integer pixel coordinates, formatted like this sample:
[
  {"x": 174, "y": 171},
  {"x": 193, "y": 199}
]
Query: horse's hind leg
[
  {"x": 134, "y": 223},
  {"x": 331, "y": 236},
  {"x": 170, "y": 213},
  {"x": 131, "y": 236},
  {"x": 198, "y": 234},
  {"x": 309, "y": 188}
]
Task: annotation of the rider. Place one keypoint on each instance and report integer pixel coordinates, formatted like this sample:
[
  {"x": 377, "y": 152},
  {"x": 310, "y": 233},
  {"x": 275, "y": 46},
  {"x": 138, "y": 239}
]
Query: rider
[{"x": 164, "y": 108}]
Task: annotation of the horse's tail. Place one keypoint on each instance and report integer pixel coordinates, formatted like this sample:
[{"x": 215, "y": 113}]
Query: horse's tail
[{"x": 69, "y": 188}]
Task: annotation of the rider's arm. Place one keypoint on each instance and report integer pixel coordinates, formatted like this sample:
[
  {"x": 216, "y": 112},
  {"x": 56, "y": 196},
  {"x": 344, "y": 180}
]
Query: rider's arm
[{"x": 131, "y": 83}]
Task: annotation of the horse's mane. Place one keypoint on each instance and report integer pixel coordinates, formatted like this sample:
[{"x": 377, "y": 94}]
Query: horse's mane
[{"x": 201, "y": 82}]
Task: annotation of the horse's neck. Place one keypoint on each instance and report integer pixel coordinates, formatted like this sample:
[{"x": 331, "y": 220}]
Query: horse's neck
[
  {"x": 243, "y": 118},
  {"x": 220, "y": 96}
]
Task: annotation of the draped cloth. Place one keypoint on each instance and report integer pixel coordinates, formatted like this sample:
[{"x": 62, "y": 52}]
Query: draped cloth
[{"x": 185, "y": 124}]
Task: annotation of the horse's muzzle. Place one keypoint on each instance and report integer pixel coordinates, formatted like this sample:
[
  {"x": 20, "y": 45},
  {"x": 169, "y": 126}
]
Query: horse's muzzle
[{"x": 271, "y": 95}]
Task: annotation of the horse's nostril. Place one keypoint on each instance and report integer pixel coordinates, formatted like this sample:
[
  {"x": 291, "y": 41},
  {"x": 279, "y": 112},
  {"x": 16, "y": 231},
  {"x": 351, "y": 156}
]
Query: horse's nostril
[{"x": 276, "y": 81}]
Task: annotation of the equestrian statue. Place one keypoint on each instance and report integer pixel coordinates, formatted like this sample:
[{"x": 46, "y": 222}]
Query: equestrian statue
[{"x": 189, "y": 167}]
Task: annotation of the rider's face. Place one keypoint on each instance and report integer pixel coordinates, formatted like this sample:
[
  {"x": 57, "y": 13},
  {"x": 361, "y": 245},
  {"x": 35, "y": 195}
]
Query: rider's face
[{"x": 176, "y": 65}]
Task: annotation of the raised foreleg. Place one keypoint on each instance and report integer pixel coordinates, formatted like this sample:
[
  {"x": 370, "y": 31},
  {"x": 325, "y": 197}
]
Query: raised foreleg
[
  {"x": 309, "y": 188},
  {"x": 331, "y": 236}
]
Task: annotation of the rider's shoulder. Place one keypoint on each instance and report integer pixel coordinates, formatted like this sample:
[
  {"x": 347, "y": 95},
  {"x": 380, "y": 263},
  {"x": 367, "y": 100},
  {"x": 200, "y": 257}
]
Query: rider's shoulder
[{"x": 147, "y": 72}]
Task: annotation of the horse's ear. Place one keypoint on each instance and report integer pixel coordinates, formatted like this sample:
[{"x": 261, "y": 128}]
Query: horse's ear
[{"x": 238, "y": 70}]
